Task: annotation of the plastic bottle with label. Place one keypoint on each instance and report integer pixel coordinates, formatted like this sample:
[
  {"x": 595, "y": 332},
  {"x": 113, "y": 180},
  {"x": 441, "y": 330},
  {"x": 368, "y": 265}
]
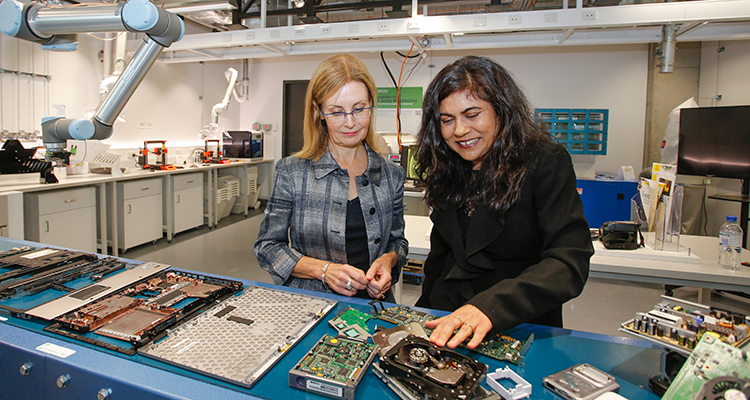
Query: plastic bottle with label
[{"x": 730, "y": 244}]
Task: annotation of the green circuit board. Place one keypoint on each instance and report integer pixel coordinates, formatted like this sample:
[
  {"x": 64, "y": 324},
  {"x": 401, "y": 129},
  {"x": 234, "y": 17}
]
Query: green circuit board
[
  {"x": 350, "y": 317},
  {"x": 714, "y": 370},
  {"x": 500, "y": 347},
  {"x": 403, "y": 315},
  {"x": 337, "y": 358}
]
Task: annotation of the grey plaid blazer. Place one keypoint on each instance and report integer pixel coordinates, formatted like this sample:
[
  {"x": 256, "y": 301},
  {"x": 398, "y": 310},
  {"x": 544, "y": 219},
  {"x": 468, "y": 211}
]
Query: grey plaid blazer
[{"x": 308, "y": 207}]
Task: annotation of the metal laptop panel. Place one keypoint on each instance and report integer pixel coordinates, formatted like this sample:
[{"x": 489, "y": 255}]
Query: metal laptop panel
[
  {"x": 241, "y": 338},
  {"x": 96, "y": 291}
]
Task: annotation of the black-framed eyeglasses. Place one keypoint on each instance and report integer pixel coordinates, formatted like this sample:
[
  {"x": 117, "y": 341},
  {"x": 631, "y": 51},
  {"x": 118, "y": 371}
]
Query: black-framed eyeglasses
[{"x": 357, "y": 113}]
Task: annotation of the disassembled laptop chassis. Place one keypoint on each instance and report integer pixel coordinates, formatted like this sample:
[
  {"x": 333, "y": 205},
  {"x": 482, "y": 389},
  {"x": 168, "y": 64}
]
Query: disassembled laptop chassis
[{"x": 216, "y": 327}]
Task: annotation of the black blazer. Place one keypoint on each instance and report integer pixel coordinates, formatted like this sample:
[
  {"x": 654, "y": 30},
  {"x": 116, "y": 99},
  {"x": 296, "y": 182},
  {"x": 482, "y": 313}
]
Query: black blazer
[{"x": 522, "y": 266}]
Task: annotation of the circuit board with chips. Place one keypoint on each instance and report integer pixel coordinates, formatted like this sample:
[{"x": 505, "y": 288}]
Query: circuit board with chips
[
  {"x": 333, "y": 367},
  {"x": 714, "y": 370},
  {"x": 351, "y": 323},
  {"x": 504, "y": 348},
  {"x": 403, "y": 315},
  {"x": 500, "y": 347}
]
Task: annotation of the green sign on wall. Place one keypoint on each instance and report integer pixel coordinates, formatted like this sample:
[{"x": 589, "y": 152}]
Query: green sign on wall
[{"x": 411, "y": 97}]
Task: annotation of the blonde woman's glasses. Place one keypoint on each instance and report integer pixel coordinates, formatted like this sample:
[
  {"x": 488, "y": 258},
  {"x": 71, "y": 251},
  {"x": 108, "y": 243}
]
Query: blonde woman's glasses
[{"x": 339, "y": 116}]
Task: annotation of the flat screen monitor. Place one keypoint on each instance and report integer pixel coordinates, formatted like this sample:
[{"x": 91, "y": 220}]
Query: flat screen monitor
[
  {"x": 243, "y": 144},
  {"x": 715, "y": 141}
]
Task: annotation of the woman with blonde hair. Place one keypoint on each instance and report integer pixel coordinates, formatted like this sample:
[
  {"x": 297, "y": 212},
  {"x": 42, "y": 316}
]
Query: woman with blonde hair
[{"x": 335, "y": 218}]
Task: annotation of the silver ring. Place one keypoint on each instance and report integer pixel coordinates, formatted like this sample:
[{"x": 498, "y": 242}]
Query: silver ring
[{"x": 349, "y": 284}]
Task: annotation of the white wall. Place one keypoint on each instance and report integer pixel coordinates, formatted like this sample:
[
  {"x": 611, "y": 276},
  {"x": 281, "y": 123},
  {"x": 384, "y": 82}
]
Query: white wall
[
  {"x": 723, "y": 73},
  {"x": 177, "y": 98},
  {"x": 22, "y": 98},
  {"x": 611, "y": 77}
]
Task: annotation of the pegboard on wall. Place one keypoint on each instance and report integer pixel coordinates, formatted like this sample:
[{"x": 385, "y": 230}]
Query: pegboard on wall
[{"x": 582, "y": 131}]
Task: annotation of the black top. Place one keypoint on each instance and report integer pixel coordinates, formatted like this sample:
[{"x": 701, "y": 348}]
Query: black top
[
  {"x": 520, "y": 266},
  {"x": 357, "y": 254}
]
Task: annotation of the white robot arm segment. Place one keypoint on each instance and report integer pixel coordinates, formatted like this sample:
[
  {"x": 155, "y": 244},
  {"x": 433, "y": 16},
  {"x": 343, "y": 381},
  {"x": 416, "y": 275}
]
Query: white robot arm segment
[
  {"x": 232, "y": 78},
  {"x": 44, "y": 25}
]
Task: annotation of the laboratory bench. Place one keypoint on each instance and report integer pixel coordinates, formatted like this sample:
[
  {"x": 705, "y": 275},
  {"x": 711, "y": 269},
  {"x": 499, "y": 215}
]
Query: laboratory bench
[
  {"x": 41, "y": 365},
  {"x": 695, "y": 264},
  {"x": 96, "y": 212}
]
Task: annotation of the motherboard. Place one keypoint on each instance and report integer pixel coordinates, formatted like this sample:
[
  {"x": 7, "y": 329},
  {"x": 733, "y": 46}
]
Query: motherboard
[
  {"x": 714, "y": 371},
  {"x": 500, "y": 347},
  {"x": 680, "y": 324}
]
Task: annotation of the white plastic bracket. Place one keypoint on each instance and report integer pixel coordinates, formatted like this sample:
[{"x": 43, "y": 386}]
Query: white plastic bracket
[{"x": 521, "y": 391}]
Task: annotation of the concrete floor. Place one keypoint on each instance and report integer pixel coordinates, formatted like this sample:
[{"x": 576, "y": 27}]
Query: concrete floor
[{"x": 228, "y": 250}]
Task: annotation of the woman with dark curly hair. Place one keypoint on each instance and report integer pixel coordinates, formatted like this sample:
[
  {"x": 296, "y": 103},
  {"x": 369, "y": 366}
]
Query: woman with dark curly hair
[{"x": 509, "y": 242}]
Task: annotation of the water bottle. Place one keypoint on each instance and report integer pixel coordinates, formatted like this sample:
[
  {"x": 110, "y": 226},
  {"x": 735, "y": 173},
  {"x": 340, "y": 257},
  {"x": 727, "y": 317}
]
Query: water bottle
[{"x": 730, "y": 244}]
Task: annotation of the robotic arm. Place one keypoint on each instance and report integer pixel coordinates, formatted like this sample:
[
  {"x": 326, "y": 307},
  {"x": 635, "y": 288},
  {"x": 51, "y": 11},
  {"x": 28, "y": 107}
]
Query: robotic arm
[
  {"x": 213, "y": 130},
  {"x": 55, "y": 29},
  {"x": 231, "y": 74}
]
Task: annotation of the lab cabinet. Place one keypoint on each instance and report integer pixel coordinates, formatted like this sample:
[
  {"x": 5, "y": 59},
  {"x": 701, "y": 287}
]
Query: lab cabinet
[
  {"x": 138, "y": 212},
  {"x": 187, "y": 201},
  {"x": 65, "y": 218},
  {"x": 606, "y": 200}
]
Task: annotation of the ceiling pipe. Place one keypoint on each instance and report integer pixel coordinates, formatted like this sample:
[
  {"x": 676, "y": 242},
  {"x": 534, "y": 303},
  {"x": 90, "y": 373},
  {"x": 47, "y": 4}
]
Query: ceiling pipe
[
  {"x": 668, "y": 48},
  {"x": 318, "y": 9}
]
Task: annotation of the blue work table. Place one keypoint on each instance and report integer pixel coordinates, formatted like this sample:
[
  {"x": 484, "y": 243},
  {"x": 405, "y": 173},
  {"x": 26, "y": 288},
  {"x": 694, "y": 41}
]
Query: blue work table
[{"x": 91, "y": 370}]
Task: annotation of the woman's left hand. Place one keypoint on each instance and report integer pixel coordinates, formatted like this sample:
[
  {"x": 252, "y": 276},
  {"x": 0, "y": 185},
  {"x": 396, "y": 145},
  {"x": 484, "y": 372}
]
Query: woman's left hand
[
  {"x": 466, "y": 321},
  {"x": 379, "y": 275}
]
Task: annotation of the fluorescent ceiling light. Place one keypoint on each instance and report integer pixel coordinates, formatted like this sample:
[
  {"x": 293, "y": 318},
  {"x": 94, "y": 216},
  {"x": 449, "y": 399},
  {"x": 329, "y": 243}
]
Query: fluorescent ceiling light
[{"x": 199, "y": 6}]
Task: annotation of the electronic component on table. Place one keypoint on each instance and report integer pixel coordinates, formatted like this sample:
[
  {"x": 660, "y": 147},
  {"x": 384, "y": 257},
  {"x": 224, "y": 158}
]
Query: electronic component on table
[
  {"x": 714, "y": 370},
  {"x": 334, "y": 367},
  {"x": 56, "y": 278},
  {"x": 581, "y": 382},
  {"x": 241, "y": 338},
  {"x": 140, "y": 312},
  {"x": 23, "y": 263},
  {"x": 27, "y": 271},
  {"x": 427, "y": 369},
  {"x": 499, "y": 346},
  {"x": 409, "y": 393},
  {"x": 521, "y": 390},
  {"x": 680, "y": 324},
  {"x": 351, "y": 323}
]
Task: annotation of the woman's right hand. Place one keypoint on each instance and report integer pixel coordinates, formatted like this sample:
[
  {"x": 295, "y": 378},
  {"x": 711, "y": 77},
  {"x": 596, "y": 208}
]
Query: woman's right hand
[{"x": 345, "y": 279}]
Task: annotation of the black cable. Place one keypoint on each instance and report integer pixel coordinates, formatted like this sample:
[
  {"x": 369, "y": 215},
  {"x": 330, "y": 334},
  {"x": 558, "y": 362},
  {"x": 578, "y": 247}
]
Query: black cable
[
  {"x": 398, "y": 116},
  {"x": 404, "y": 55},
  {"x": 388, "y": 70}
]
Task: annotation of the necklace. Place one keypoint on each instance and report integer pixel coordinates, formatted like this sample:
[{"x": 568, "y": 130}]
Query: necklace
[{"x": 471, "y": 204}]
